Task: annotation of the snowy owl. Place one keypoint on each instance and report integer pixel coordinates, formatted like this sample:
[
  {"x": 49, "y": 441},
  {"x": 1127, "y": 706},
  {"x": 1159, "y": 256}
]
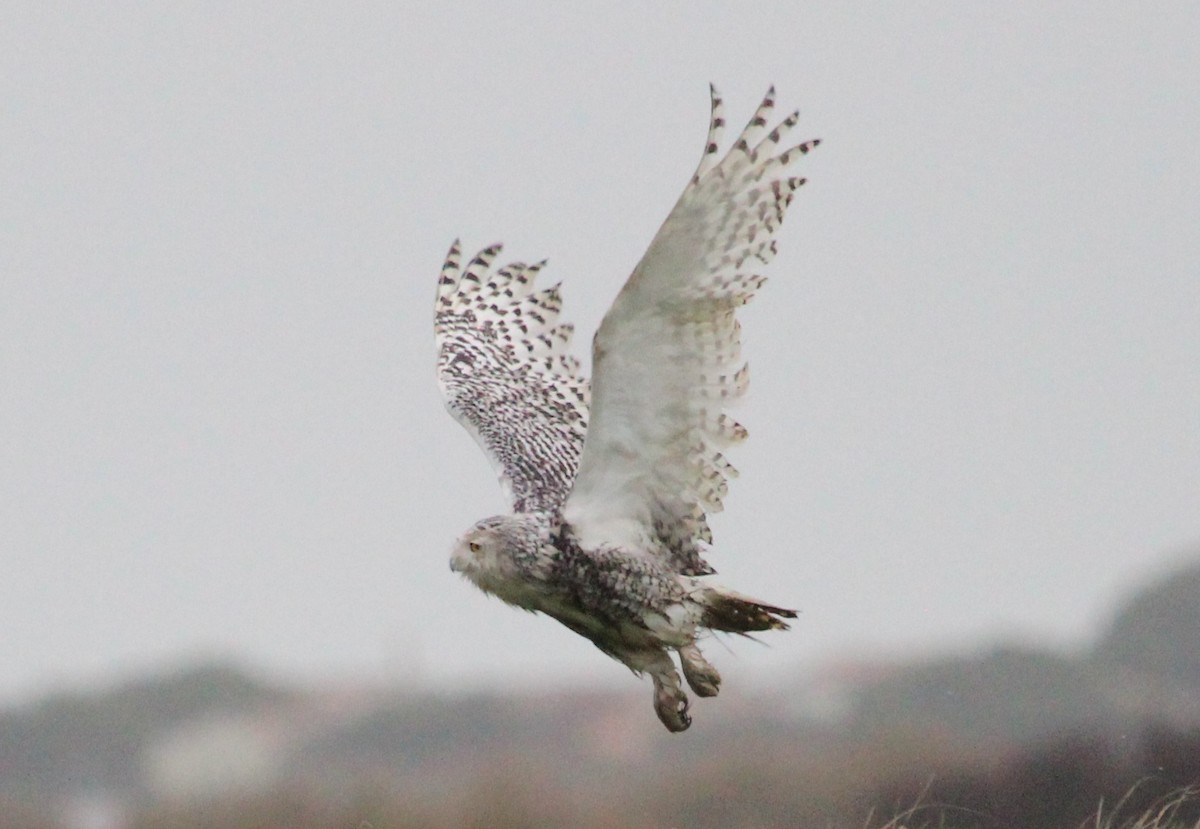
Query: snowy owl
[{"x": 610, "y": 483}]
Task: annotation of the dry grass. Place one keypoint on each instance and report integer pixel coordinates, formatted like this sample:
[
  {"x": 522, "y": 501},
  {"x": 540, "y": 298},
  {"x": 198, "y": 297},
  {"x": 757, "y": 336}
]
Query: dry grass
[
  {"x": 502, "y": 811},
  {"x": 1167, "y": 813}
]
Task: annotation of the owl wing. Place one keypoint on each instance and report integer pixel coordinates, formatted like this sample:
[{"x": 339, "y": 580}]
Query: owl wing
[
  {"x": 505, "y": 374},
  {"x": 667, "y": 356}
]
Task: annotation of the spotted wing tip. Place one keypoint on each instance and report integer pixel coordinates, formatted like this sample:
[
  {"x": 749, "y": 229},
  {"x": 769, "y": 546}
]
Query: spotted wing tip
[
  {"x": 451, "y": 273},
  {"x": 452, "y": 255}
]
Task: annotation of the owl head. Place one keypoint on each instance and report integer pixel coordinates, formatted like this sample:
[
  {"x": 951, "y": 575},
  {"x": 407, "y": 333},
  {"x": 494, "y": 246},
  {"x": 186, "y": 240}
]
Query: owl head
[{"x": 503, "y": 556}]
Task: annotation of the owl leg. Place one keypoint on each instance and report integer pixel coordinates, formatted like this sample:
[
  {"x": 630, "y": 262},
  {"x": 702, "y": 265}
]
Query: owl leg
[
  {"x": 670, "y": 702},
  {"x": 703, "y": 678}
]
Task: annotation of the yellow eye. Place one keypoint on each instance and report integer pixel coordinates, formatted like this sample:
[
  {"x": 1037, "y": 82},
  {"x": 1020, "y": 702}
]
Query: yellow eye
[{"x": 475, "y": 546}]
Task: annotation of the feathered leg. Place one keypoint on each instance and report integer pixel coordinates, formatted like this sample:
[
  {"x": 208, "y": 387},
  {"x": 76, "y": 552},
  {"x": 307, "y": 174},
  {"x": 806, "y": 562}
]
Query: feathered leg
[
  {"x": 703, "y": 678},
  {"x": 670, "y": 702}
]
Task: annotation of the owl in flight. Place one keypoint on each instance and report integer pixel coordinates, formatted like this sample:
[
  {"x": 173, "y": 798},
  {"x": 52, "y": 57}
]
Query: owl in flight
[{"x": 610, "y": 482}]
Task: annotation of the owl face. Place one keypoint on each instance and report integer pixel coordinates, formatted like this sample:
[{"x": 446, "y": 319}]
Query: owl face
[
  {"x": 477, "y": 552},
  {"x": 486, "y": 556},
  {"x": 501, "y": 557}
]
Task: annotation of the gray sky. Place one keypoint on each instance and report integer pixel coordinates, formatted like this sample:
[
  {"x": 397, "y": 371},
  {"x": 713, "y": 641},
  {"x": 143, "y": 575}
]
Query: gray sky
[{"x": 975, "y": 402}]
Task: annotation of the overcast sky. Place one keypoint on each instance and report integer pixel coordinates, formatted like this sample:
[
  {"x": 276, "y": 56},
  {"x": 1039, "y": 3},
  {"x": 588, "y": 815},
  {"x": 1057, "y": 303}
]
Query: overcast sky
[{"x": 975, "y": 408}]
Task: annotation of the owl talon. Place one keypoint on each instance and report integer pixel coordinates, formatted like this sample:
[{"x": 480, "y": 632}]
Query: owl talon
[
  {"x": 700, "y": 674},
  {"x": 671, "y": 705}
]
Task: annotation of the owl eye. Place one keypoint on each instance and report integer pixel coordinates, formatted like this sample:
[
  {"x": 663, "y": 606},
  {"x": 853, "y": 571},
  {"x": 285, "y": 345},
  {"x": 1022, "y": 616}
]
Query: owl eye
[{"x": 475, "y": 546}]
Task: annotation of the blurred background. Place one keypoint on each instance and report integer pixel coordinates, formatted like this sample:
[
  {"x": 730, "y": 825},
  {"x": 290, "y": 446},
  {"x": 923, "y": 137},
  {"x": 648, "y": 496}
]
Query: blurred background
[{"x": 228, "y": 488}]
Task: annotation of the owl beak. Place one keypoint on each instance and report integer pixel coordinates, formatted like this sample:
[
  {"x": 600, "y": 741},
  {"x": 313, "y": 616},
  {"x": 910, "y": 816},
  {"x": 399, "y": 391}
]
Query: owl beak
[{"x": 458, "y": 560}]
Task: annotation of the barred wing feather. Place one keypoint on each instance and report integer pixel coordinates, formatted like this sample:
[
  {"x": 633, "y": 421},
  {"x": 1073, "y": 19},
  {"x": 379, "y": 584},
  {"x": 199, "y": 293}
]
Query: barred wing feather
[
  {"x": 505, "y": 374},
  {"x": 667, "y": 357}
]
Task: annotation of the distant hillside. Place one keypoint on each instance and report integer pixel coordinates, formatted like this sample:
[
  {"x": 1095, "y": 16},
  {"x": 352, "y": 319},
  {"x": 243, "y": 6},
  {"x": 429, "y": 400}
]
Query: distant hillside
[
  {"x": 95, "y": 741},
  {"x": 1145, "y": 668},
  {"x": 1009, "y": 696},
  {"x": 1157, "y": 631}
]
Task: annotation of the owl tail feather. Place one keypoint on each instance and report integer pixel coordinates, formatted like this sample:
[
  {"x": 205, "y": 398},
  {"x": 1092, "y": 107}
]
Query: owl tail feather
[{"x": 734, "y": 613}]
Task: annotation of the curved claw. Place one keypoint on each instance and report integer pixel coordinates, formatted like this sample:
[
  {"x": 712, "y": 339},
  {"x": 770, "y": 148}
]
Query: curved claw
[
  {"x": 671, "y": 705},
  {"x": 700, "y": 674}
]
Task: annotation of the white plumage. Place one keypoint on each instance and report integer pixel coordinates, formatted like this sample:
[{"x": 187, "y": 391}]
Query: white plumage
[{"x": 609, "y": 531}]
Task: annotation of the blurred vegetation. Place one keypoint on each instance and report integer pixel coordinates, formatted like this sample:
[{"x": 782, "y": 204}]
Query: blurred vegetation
[
  {"x": 18, "y": 815},
  {"x": 492, "y": 806},
  {"x": 1000, "y": 697},
  {"x": 1011, "y": 737},
  {"x": 95, "y": 741}
]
